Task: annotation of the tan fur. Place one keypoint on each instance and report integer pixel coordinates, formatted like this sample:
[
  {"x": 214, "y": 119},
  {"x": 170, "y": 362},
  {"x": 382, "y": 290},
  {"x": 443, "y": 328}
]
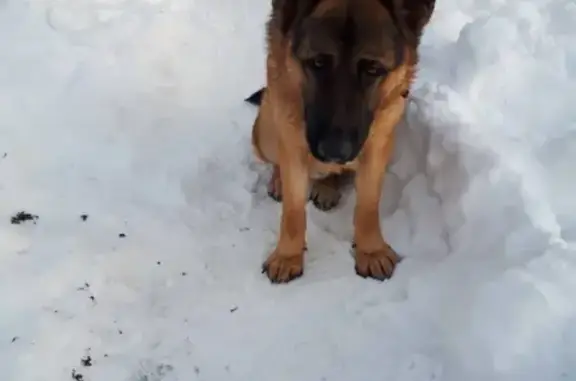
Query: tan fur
[{"x": 278, "y": 138}]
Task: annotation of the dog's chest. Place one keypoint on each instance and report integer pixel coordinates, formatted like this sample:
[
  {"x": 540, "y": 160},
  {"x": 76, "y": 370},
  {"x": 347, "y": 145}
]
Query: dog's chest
[{"x": 319, "y": 170}]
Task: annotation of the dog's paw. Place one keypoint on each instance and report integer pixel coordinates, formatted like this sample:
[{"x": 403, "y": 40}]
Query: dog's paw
[
  {"x": 282, "y": 268},
  {"x": 378, "y": 264},
  {"x": 275, "y": 185},
  {"x": 325, "y": 193}
]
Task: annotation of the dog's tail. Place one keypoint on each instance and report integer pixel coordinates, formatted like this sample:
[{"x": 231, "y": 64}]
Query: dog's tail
[{"x": 256, "y": 97}]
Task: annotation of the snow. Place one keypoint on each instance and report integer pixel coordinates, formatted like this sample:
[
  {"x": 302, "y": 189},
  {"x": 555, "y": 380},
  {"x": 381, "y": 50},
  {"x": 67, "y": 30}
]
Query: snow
[{"x": 131, "y": 112}]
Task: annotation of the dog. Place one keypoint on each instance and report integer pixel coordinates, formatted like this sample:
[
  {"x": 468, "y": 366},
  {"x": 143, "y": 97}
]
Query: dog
[{"x": 338, "y": 73}]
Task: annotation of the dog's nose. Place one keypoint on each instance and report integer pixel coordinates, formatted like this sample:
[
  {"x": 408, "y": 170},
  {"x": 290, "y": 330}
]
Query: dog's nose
[{"x": 335, "y": 149}]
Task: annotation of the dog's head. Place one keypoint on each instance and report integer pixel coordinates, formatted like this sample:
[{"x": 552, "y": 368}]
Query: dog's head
[{"x": 352, "y": 57}]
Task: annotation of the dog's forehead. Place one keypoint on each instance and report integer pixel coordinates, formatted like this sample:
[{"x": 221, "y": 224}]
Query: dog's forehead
[{"x": 360, "y": 28}]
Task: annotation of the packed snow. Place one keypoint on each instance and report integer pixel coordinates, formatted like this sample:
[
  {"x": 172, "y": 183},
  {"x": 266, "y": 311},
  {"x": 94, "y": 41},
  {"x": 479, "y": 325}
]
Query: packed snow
[{"x": 123, "y": 128}]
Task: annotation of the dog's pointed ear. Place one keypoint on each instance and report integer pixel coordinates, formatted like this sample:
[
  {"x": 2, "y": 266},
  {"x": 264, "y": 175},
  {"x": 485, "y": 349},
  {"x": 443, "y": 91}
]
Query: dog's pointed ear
[
  {"x": 417, "y": 14},
  {"x": 411, "y": 15},
  {"x": 291, "y": 11}
]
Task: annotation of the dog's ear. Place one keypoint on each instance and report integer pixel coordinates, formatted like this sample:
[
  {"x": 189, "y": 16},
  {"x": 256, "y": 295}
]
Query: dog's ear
[
  {"x": 411, "y": 15},
  {"x": 292, "y": 11},
  {"x": 417, "y": 14}
]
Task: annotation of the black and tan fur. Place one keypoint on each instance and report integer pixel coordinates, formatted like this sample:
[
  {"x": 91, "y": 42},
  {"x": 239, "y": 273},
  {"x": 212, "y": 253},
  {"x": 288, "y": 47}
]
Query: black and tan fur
[{"x": 338, "y": 72}]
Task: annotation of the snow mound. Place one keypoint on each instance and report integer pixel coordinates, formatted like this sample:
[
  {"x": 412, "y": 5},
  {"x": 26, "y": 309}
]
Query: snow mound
[{"x": 130, "y": 114}]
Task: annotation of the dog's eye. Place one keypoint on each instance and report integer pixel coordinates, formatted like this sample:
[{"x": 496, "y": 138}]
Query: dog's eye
[
  {"x": 371, "y": 68},
  {"x": 320, "y": 62}
]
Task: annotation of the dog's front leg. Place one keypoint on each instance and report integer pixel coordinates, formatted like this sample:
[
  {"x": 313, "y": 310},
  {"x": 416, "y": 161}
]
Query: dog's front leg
[
  {"x": 287, "y": 261},
  {"x": 373, "y": 256}
]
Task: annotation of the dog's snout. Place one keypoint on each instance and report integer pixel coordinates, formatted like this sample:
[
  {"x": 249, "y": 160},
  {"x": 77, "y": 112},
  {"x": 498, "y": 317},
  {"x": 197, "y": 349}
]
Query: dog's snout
[
  {"x": 336, "y": 147},
  {"x": 335, "y": 151}
]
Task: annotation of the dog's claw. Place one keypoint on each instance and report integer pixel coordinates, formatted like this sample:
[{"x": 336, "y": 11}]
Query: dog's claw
[
  {"x": 255, "y": 98},
  {"x": 283, "y": 269},
  {"x": 378, "y": 264},
  {"x": 325, "y": 193}
]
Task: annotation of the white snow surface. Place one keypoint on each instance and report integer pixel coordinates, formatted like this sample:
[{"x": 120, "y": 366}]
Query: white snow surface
[{"x": 132, "y": 112}]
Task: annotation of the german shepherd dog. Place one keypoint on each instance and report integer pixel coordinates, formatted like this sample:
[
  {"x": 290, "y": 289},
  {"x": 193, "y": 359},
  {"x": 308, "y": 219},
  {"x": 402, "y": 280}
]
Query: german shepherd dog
[{"x": 338, "y": 75}]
